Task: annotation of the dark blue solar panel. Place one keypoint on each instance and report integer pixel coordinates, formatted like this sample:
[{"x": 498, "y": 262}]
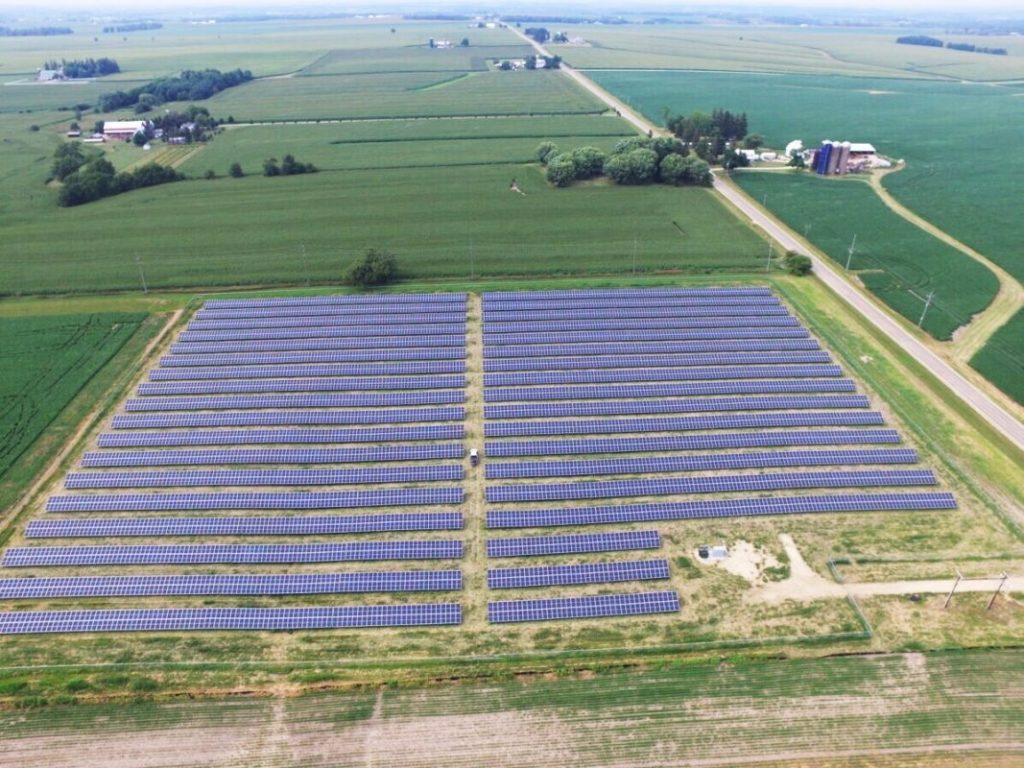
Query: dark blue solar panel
[
  {"x": 654, "y": 361},
  {"x": 254, "y": 386},
  {"x": 431, "y": 318},
  {"x": 282, "y": 525},
  {"x": 387, "y": 333},
  {"x": 432, "y": 397},
  {"x": 263, "y": 619},
  {"x": 259, "y": 477},
  {"x": 614, "y": 313},
  {"x": 278, "y": 436},
  {"x": 490, "y": 297},
  {"x": 221, "y": 584},
  {"x": 696, "y": 405},
  {"x": 723, "y": 421},
  {"x": 607, "y": 376},
  {"x": 250, "y": 554},
  {"x": 712, "y": 484},
  {"x": 651, "y": 348},
  {"x": 627, "y": 324},
  {"x": 742, "y": 387},
  {"x": 497, "y": 306},
  {"x": 187, "y": 347},
  {"x": 593, "y": 607},
  {"x": 699, "y": 463},
  {"x": 299, "y": 371},
  {"x": 508, "y": 448},
  {"x": 277, "y": 309},
  {"x": 698, "y": 510},
  {"x": 387, "y": 299},
  {"x": 169, "y": 502},
  {"x": 315, "y": 357},
  {"x": 273, "y": 456},
  {"x": 494, "y": 340},
  {"x": 573, "y": 544},
  {"x": 562, "y": 575},
  {"x": 282, "y": 418}
]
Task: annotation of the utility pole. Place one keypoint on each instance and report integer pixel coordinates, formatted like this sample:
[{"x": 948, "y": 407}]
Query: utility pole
[
  {"x": 142, "y": 275},
  {"x": 927, "y": 303},
  {"x": 472, "y": 261},
  {"x": 764, "y": 200},
  {"x": 807, "y": 228},
  {"x": 849, "y": 252},
  {"x": 305, "y": 264},
  {"x": 768, "y": 262},
  {"x": 634, "y": 255}
]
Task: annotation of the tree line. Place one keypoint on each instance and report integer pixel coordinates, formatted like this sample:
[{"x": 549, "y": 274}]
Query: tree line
[
  {"x": 190, "y": 85},
  {"x": 35, "y": 31},
  {"x": 80, "y": 68},
  {"x": 92, "y": 178},
  {"x": 934, "y": 42},
  {"x": 137, "y": 26},
  {"x": 633, "y": 161}
]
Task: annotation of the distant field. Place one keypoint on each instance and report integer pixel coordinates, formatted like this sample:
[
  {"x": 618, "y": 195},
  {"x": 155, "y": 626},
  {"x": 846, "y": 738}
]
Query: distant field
[
  {"x": 421, "y": 58},
  {"x": 896, "y": 260}
]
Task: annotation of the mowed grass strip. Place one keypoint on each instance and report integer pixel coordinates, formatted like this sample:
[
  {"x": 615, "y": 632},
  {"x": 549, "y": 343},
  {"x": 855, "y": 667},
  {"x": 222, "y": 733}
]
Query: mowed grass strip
[
  {"x": 441, "y": 222},
  {"x": 896, "y": 260},
  {"x": 404, "y": 95}
]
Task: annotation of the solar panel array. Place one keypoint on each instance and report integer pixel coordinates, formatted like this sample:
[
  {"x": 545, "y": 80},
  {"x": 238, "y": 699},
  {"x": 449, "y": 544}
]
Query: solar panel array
[
  {"x": 591, "y": 607},
  {"x": 250, "y": 382},
  {"x": 562, "y": 575},
  {"x": 634, "y": 407}
]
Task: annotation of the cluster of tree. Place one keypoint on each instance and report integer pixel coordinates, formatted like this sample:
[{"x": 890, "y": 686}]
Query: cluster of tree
[
  {"x": 35, "y": 31},
  {"x": 289, "y": 167},
  {"x": 375, "y": 268},
  {"x": 636, "y": 160},
  {"x": 712, "y": 136},
  {"x": 97, "y": 179},
  {"x": 193, "y": 124},
  {"x": 67, "y": 158},
  {"x": 540, "y": 34},
  {"x": 560, "y": 37},
  {"x": 190, "y": 85},
  {"x": 78, "y": 68},
  {"x": 134, "y": 26},
  {"x": 797, "y": 264},
  {"x": 934, "y": 42},
  {"x": 604, "y": 20},
  {"x": 533, "y": 62}
]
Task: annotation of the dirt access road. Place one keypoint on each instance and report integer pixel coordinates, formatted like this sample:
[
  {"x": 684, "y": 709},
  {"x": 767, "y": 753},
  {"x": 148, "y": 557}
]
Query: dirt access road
[{"x": 971, "y": 394}]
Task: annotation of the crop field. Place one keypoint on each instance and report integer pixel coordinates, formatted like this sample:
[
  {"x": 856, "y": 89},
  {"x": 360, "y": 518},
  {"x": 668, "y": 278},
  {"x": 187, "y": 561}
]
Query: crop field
[
  {"x": 945, "y": 709},
  {"x": 895, "y": 260},
  {"x": 417, "y": 59},
  {"x": 1001, "y": 360}
]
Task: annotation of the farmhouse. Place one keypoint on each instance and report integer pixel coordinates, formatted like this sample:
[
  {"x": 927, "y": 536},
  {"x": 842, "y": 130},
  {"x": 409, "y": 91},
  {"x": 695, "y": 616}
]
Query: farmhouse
[{"x": 123, "y": 130}]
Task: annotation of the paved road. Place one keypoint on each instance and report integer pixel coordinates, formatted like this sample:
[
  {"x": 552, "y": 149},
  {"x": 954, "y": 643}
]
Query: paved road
[{"x": 990, "y": 410}]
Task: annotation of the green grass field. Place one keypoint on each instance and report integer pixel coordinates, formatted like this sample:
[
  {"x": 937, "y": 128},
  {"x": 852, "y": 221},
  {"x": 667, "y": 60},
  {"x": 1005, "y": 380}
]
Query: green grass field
[
  {"x": 895, "y": 260},
  {"x": 1001, "y": 361}
]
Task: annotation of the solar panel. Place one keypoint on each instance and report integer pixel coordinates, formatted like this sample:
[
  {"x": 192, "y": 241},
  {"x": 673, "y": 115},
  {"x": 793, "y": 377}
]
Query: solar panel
[
  {"x": 169, "y": 502},
  {"x": 607, "y": 376},
  {"x": 283, "y": 418},
  {"x": 507, "y": 448},
  {"x": 496, "y": 307},
  {"x": 572, "y": 293},
  {"x": 494, "y": 340},
  {"x": 719, "y": 508},
  {"x": 221, "y": 584},
  {"x": 260, "y": 477},
  {"x": 314, "y": 357},
  {"x": 249, "y": 554},
  {"x": 681, "y": 423},
  {"x": 699, "y": 463},
  {"x": 654, "y": 361},
  {"x": 283, "y": 525},
  {"x": 640, "y": 324},
  {"x": 563, "y": 575},
  {"x": 618, "y": 347},
  {"x": 741, "y": 387},
  {"x": 592, "y": 607},
  {"x": 278, "y": 436},
  {"x": 188, "y": 347},
  {"x": 299, "y": 371},
  {"x": 383, "y": 319},
  {"x": 237, "y": 402},
  {"x": 713, "y": 484},
  {"x": 573, "y": 544},
  {"x": 253, "y": 386},
  {"x": 311, "y": 310},
  {"x": 694, "y": 405},
  {"x": 375, "y": 454},
  {"x": 368, "y": 332},
  {"x": 586, "y": 313},
  {"x": 264, "y": 619},
  {"x": 387, "y": 299}
]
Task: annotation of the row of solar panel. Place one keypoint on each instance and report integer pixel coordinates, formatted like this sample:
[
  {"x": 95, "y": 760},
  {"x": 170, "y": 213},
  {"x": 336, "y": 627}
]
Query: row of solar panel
[
  {"x": 573, "y": 544},
  {"x": 612, "y": 376},
  {"x": 711, "y": 484},
  {"x": 223, "y": 584},
  {"x": 651, "y": 347},
  {"x": 383, "y": 334},
  {"x": 591, "y": 607},
  {"x": 211, "y": 554},
  {"x": 719, "y": 508},
  {"x": 244, "y": 526},
  {"x": 498, "y": 365},
  {"x": 496, "y": 308},
  {"x": 693, "y": 405},
  {"x": 261, "y": 477},
  {"x": 700, "y": 463},
  {"x": 282, "y": 418},
  {"x": 170, "y": 502},
  {"x": 254, "y": 386},
  {"x": 495, "y": 341},
  {"x": 565, "y": 575},
  {"x": 338, "y": 310},
  {"x": 256, "y": 619},
  {"x": 301, "y": 301},
  {"x": 622, "y": 391},
  {"x": 301, "y": 358},
  {"x": 299, "y": 371},
  {"x": 571, "y": 293},
  {"x": 95, "y": 459},
  {"x": 552, "y": 327},
  {"x": 683, "y": 423},
  {"x": 635, "y": 313},
  {"x": 419, "y": 397},
  {"x": 365, "y": 344},
  {"x": 383, "y": 319},
  {"x": 278, "y": 436}
]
